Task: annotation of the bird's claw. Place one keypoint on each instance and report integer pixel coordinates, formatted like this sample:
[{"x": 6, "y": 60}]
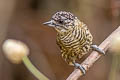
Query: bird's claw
[
  {"x": 96, "y": 48},
  {"x": 79, "y": 66}
]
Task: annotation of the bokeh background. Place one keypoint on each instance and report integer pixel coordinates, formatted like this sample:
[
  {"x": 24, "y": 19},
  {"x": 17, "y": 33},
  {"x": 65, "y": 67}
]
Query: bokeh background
[{"x": 22, "y": 20}]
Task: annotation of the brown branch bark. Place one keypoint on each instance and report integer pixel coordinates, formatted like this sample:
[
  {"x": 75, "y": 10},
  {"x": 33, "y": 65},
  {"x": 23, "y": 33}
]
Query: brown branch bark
[{"x": 94, "y": 56}]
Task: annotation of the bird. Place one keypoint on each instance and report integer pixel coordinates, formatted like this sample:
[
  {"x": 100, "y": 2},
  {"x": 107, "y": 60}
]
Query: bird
[{"x": 73, "y": 38}]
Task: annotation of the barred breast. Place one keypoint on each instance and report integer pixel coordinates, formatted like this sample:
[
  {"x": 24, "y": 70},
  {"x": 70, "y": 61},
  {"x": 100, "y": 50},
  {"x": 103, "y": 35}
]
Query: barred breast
[{"x": 75, "y": 43}]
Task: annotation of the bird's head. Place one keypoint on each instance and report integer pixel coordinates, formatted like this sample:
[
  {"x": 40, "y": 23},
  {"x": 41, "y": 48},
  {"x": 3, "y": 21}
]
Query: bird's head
[{"x": 62, "y": 21}]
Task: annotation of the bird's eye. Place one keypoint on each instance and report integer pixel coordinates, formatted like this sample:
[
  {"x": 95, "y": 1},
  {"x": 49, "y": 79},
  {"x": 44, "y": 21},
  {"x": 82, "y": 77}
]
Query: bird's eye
[{"x": 61, "y": 22}]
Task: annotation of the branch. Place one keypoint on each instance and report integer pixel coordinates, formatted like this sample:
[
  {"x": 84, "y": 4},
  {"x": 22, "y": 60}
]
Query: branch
[{"x": 94, "y": 56}]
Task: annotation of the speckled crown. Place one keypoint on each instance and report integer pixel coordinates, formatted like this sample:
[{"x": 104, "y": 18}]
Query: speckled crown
[{"x": 63, "y": 15}]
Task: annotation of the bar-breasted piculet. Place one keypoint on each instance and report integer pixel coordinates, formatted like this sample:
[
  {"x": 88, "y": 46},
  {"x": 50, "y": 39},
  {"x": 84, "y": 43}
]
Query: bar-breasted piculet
[{"x": 73, "y": 37}]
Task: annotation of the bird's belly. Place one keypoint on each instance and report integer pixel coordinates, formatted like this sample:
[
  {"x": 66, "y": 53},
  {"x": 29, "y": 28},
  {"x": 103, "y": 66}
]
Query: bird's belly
[
  {"x": 74, "y": 46},
  {"x": 72, "y": 50},
  {"x": 77, "y": 45}
]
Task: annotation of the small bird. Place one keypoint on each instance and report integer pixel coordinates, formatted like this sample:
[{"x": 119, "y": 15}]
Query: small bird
[{"x": 73, "y": 37}]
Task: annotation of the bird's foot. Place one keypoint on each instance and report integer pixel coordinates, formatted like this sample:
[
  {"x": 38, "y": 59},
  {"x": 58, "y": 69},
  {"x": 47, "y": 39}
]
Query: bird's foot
[
  {"x": 79, "y": 66},
  {"x": 96, "y": 48}
]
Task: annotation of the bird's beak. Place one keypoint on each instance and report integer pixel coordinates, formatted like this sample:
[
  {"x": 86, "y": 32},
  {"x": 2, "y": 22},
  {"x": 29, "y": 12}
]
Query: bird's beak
[{"x": 49, "y": 23}]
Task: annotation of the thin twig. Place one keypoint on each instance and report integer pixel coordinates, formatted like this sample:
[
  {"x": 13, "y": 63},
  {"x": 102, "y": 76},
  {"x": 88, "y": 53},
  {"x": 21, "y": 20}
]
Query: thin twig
[{"x": 94, "y": 56}]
